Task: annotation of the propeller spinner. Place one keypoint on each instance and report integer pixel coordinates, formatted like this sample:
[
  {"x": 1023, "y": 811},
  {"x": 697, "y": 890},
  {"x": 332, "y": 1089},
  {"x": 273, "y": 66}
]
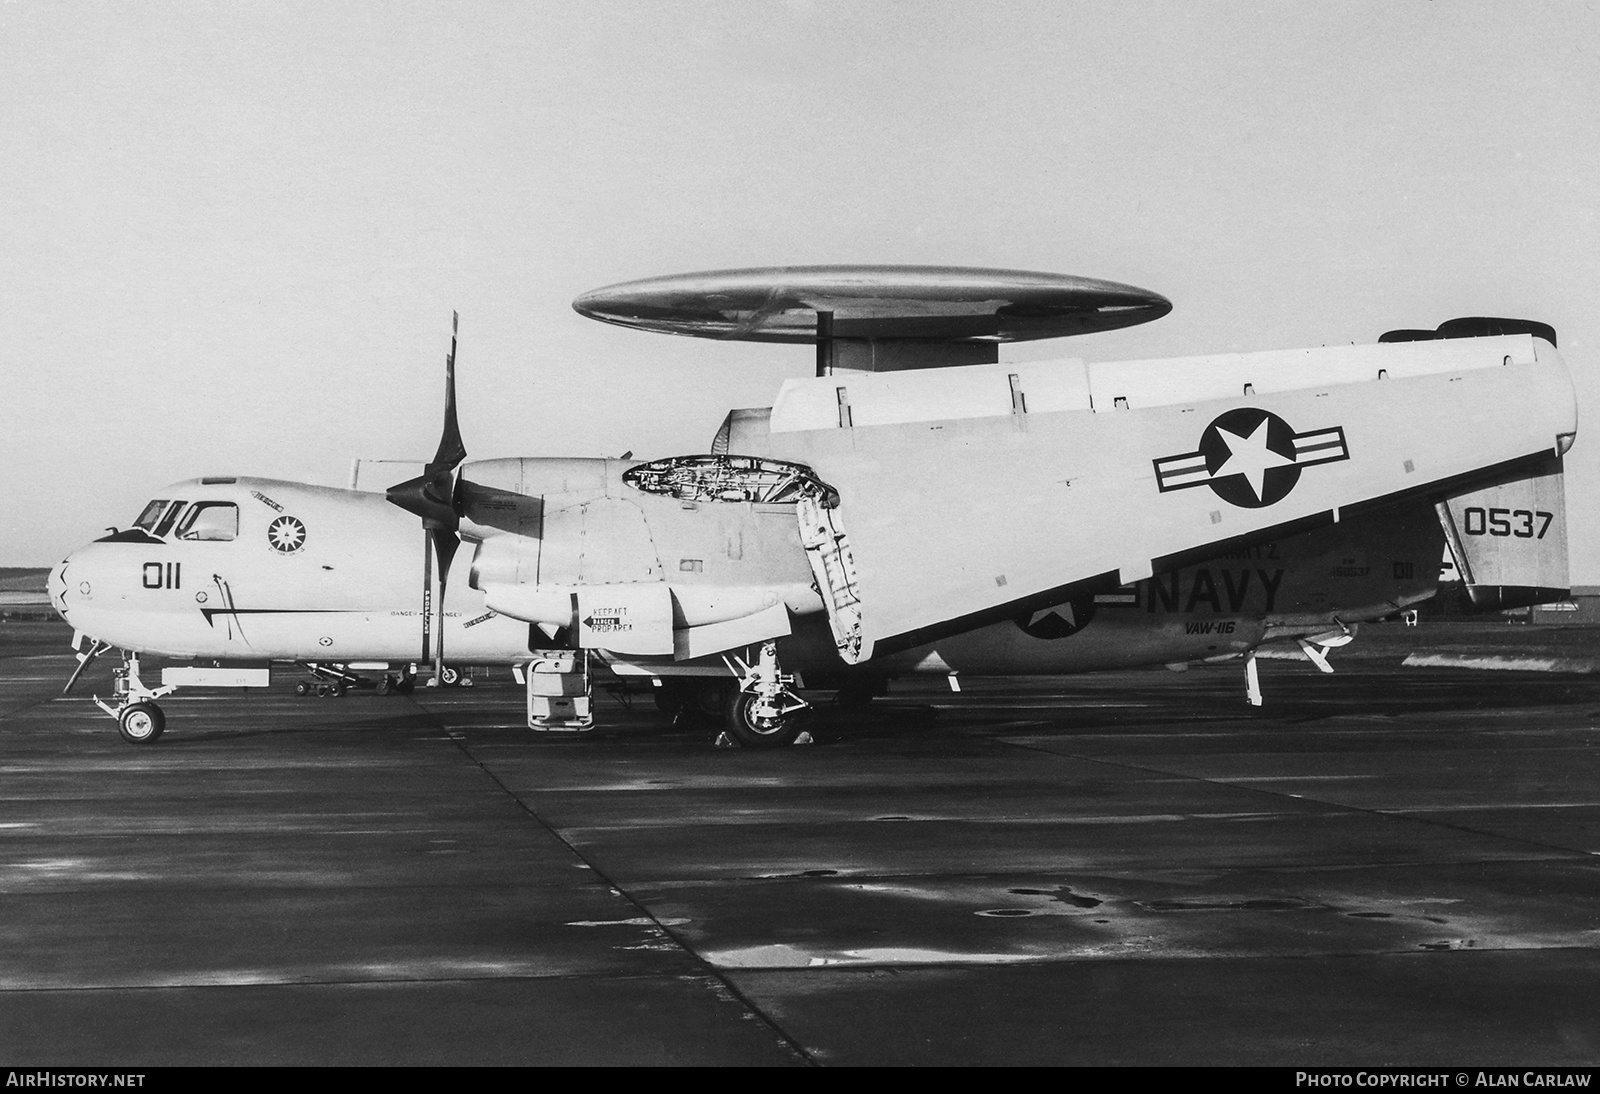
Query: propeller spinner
[{"x": 432, "y": 496}]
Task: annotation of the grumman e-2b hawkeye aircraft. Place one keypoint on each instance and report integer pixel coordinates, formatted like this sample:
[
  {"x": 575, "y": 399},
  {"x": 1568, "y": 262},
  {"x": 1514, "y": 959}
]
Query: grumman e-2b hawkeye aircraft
[{"x": 915, "y": 506}]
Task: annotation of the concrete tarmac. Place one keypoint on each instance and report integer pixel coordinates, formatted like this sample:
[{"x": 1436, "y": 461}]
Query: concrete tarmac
[{"x": 1385, "y": 866}]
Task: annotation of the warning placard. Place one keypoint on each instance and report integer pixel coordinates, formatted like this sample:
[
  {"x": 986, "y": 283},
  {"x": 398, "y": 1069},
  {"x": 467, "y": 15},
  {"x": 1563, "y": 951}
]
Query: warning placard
[{"x": 634, "y": 618}]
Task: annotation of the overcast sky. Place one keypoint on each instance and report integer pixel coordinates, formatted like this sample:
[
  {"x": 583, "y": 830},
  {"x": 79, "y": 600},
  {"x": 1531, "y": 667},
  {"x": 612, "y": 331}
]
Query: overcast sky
[{"x": 232, "y": 234}]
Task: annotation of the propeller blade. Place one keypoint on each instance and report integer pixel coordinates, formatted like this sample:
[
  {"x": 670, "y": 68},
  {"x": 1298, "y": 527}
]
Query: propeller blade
[
  {"x": 445, "y": 543},
  {"x": 452, "y": 449},
  {"x": 432, "y": 496}
]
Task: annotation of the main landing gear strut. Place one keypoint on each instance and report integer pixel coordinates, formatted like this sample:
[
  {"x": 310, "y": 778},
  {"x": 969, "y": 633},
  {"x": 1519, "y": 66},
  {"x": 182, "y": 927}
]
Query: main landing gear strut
[
  {"x": 1315, "y": 648},
  {"x": 764, "y": 712}
]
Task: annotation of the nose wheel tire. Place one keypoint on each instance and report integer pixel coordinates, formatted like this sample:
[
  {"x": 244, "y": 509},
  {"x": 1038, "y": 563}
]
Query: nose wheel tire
[
  {"x": 141, "y": 723},
  {"x": 754, "y": 730}
]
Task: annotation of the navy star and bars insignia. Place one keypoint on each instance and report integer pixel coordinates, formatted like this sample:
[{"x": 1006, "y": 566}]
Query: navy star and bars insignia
[
  {"x": 1250, "y": 457},
  {"x": 1059, "y": 620}
]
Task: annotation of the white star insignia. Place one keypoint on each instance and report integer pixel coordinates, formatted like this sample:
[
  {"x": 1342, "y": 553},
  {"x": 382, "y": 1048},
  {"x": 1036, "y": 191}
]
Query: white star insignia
[
  {"x": 1064, "y": 611},
  {"x": 1250, "y": 457}
]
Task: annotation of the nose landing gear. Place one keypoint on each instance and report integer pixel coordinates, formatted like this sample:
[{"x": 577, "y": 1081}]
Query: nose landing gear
[
  {"x": 139, "y": 720},
  {"x": 141, "y": 723}
]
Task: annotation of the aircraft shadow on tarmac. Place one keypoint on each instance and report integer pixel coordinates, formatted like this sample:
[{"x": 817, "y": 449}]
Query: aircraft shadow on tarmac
[{"x": 1111, "y": 703}]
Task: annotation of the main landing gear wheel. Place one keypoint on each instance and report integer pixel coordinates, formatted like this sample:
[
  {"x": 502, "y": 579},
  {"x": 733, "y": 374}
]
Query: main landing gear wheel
[
  {"x": 753, "y": 728},
  {"x": 322, "y": 689},
  {"x": 141, "y": 723}
]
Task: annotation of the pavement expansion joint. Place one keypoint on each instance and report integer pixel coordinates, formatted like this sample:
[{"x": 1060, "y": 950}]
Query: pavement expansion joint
[{"x": 720, "y": 982}]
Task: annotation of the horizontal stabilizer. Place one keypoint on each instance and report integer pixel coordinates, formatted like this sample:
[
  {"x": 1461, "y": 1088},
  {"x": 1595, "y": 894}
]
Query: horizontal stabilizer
[{"x": 1475, "y": 326}]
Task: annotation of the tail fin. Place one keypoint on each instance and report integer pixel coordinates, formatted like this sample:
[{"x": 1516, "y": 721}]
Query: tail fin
[{"x": 1509, "y": 540}]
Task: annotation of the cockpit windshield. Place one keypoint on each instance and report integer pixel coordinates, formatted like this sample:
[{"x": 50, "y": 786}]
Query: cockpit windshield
[
  {"x": 172, "y": 514},
  {"x": 151, "y": 514},
  {"x": 157, "y": 517}
]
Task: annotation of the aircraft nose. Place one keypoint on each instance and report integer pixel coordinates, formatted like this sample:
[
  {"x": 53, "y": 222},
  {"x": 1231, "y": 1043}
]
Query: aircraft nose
[
  {"x": 56, "y": 587},
  {"x": 67, "y": 586}
]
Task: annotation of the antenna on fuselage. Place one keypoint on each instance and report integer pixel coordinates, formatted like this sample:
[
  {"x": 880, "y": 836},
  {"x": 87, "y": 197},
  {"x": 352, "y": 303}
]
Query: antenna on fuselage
[{"x": 432, "y": 496}]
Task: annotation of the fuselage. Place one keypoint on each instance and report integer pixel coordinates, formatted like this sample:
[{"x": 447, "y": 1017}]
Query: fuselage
[{"x": 277, "y": 571}]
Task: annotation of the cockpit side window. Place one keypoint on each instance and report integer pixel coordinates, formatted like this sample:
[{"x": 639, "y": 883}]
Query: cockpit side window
[
  {"x": 211, "y": 521},
  {"x": 150, "y": 515},
  {"x": 172, "y": 514}
]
